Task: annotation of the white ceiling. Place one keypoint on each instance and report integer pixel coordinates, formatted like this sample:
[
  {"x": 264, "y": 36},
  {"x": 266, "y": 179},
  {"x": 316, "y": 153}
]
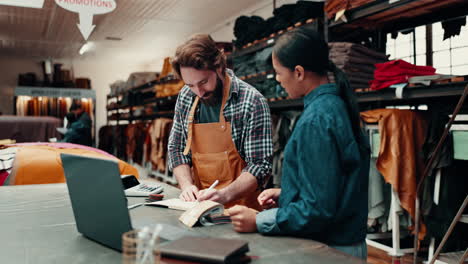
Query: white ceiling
[{"x": 150, "y": 29}]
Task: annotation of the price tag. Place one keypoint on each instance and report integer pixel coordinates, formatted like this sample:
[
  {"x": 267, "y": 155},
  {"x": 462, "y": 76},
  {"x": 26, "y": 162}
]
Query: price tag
[
  {"x": 399, "y": 89},
  {"x": 341, "y": 15}
]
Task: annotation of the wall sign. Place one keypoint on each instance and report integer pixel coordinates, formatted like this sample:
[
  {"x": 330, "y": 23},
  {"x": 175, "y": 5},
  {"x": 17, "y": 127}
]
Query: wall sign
[
  {"x": 86, "y": 10},
  {"x": 23, "y": 3},
  {"x": 55, "y": 92}
]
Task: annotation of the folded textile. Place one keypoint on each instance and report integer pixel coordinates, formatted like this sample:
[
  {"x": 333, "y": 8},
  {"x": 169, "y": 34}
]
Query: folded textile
[
  {"x": 245, "y": 65},
  {"x": 262, "y": 59},
  {"x": 356, "y": 49},
  {"x": 356, "y": 61},
  {"x": 345, "y": 59},
  {"x": 168, "y": 88},
  {"x": 139, "y": 78},
  {"x": 253, "y": 63},
  {"x": 248, "y": 29},
  {"x": 3, "y": 176},
  {"x": 397, "y": 71}
]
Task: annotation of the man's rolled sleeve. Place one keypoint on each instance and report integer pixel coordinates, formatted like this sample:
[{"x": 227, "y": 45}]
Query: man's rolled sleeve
[{"x": 258, "y": 146}]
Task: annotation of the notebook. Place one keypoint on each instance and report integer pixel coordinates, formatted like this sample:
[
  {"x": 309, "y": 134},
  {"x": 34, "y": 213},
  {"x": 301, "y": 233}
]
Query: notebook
[
  {"x": 206, "y": 213},
  {"x": 174, "y": 203},
  {"x": 207, "y": 250}
]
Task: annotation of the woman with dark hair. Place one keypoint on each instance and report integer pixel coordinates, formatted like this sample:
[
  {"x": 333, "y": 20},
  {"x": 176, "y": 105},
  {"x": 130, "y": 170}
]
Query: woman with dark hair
[{"x": 326, "y": 161}]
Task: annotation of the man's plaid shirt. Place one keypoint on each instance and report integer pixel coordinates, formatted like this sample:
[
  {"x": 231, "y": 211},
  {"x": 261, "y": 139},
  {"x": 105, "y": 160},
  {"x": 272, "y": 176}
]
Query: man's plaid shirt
[{"x": 247, "y": 111}]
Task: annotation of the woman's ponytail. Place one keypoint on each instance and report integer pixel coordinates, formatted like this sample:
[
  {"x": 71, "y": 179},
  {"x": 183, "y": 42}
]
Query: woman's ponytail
[{"x": 347, "y": 95}]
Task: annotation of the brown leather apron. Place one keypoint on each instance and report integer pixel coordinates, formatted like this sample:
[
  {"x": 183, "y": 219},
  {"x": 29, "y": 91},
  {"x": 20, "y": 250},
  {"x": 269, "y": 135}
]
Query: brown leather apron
[{"x": 214, "y": 155}]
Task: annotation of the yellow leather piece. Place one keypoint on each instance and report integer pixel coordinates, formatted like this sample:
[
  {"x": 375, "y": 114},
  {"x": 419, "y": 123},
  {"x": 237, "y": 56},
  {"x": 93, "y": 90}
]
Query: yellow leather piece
[{"x": 42, "y": 164}]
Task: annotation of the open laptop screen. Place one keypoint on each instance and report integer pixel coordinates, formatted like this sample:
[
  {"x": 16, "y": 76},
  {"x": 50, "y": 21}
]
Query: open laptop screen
[{"x": 97, "y": 198}]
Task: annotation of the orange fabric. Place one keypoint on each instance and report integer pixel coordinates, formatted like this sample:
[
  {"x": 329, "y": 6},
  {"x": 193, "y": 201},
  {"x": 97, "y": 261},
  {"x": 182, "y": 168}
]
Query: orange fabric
[
  {"x": 214, "y": 155},
  {"x": 168, "y": 88},
  {"x": 147, "y": 147},
  {"x": 131, "y": 146},
  {"x": 159, "y": 134},
  {"x": 400, "y": 161},
  {"x": 167, "y": 68},
  {"x": 42, "y": 164}
]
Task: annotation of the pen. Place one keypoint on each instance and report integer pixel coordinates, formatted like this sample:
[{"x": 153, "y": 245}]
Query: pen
[
  {"x": 213, "y": 185},
  {"x": 135, "y": 206}
]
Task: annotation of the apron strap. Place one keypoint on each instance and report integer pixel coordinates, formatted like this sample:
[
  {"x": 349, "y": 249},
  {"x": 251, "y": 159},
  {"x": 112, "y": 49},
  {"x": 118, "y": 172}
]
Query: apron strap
[
  {"x": 190, "y": 126},
  {"x": 227, "y": 88}
]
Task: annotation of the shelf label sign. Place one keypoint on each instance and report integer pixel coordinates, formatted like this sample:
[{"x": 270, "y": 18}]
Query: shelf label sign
[{"x": 86, "y": 10}]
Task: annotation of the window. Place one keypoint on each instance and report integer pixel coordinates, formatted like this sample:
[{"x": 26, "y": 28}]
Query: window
[
  {"x": 449, "y": 56},
  {"x": 402, "y": 46}
]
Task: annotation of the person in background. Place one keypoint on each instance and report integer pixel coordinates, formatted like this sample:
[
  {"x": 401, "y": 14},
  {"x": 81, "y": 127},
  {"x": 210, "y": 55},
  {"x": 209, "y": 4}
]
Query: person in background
[
  {"x": 221, "y": 130},
  {"x": 79, "y": 126},
  {"x": 324, "y": 183}
]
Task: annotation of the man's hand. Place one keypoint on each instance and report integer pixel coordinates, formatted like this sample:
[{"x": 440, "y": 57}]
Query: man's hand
[
  {"x": 243, "y": 219},
  {"x": 213, "y": 195},
  {"x": 189, "y": 193},
  {"x": 269, "y": 198}
]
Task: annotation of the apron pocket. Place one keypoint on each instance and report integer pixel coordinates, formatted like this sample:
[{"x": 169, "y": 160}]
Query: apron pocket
[{"x": 210, "y": 167}]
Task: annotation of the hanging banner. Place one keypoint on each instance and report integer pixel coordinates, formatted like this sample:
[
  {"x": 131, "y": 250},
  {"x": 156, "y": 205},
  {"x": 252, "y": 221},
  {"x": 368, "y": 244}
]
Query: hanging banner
[{"x": 86, "y": 10}]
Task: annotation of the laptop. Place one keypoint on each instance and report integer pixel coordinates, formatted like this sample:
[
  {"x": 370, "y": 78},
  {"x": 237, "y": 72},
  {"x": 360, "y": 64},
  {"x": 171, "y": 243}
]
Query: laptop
[{"x": 99, "y": 203}]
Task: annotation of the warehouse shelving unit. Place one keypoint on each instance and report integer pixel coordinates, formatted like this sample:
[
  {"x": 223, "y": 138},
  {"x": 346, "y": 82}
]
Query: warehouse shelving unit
[{"x": 126, "y": 114}]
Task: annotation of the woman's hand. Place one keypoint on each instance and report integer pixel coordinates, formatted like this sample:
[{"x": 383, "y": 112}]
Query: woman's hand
[
  {"x": 269, "y": 198},
  {"x": 243, "y": 218}
]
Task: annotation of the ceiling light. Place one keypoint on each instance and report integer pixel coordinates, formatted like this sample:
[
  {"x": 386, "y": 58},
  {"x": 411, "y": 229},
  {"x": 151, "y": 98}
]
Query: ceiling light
[
  {"x": 86, "y": 47},
  {"x": 23, "y": 3}
]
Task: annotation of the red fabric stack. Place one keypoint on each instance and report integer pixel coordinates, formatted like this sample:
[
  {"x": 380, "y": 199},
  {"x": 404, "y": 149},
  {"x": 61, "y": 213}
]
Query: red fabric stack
[
  {"x": 397, "y": 71},
  {"x": 3, "y": 176}
]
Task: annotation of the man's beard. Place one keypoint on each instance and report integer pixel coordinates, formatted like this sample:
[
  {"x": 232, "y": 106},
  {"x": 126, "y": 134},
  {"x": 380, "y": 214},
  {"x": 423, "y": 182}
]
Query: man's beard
[{"x": 215, "y": 96}]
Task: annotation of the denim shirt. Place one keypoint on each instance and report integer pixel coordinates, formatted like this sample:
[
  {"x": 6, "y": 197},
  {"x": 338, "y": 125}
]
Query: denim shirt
[{"x": 325, "y": 176}]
